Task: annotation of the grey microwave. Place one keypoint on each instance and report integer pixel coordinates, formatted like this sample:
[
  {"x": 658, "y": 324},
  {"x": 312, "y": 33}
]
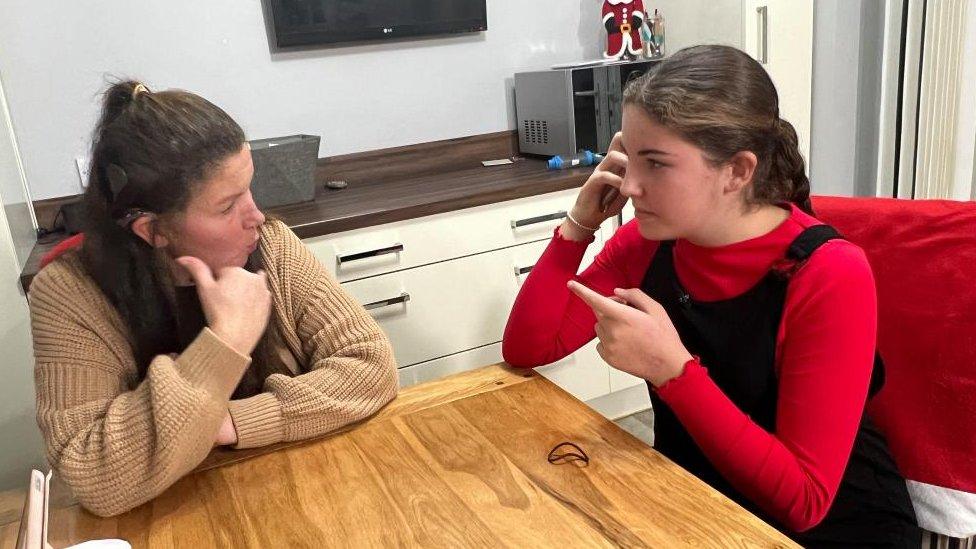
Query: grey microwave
[{"x": 566, "y": 110}]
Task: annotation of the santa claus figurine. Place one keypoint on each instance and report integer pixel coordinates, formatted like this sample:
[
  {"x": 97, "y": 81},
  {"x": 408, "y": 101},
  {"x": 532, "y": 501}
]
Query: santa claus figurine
[{"x": 623, "y": 20}]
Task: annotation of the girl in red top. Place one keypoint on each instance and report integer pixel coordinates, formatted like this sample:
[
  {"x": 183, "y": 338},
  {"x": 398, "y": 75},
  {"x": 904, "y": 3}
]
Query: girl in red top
[{"x": 753, "y": 323}]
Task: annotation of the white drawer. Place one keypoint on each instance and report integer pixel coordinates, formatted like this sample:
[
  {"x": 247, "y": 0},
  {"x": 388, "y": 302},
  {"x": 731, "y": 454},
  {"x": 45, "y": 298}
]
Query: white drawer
[
  {"x": 406, "y": 244},
  {"x": 449, "y": 365},
  {"x": 622, "y": 380},
  {"x": 582, "y": 374},
  {"x": 452, "y": 306}
]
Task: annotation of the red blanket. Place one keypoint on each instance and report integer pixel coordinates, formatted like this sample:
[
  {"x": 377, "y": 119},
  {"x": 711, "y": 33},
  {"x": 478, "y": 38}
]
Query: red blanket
[{"x": 923, "y": 253}]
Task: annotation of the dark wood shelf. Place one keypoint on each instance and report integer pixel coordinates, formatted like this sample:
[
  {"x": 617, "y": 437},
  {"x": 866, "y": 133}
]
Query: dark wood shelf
[
  {"x": 398, "y": 184},
  {"x": 370, "y": 203}
]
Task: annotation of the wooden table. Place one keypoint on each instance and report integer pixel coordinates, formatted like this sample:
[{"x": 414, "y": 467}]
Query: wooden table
[{"x": 459, "y": 462}]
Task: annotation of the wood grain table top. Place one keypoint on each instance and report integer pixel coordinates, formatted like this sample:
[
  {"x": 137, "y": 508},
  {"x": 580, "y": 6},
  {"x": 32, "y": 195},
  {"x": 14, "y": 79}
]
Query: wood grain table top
[{"x": 458, "y": 462}]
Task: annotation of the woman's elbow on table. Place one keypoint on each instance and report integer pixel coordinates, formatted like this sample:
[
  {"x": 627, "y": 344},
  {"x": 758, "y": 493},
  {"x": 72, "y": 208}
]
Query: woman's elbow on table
[
  {"x": 386, "y": 384},
  {"x": 105, "y": 499},
  {"x": 105, "y": 509}
]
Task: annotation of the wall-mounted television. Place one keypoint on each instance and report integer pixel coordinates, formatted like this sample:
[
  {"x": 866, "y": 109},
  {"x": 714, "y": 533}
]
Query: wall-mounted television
[{"x": 327, "y": 22}]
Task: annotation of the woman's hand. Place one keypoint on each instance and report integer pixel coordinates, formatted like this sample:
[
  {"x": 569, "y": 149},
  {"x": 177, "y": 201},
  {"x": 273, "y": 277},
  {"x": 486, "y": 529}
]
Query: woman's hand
[
  {"x": 599, "y": 199},
  {"x": 636, "y": 335},
  {"x": 227, "y": 434},
  {"x": 237, "y": 303}
]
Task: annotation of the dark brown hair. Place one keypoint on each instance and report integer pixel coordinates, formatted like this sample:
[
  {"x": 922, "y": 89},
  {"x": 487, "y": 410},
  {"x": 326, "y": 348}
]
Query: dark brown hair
[
  {"x": 721, "y": 100},
  {"x": 149, "y": 152}
]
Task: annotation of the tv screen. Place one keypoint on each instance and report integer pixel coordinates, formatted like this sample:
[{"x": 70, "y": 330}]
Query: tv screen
[{"x": 320, "y": 22}]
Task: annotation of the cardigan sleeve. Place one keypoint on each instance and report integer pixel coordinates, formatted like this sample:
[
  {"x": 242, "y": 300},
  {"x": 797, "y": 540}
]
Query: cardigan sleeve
[
  {"x": 118, "y": 443},
  {"x": 350, "y": 372}
]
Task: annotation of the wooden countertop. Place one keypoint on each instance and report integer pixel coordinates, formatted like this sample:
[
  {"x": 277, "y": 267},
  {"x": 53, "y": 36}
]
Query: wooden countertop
[
  {"x": 369, "y": 203},
  {"x": 458, "y": 462},
  {"x": 398, "y": 184}
]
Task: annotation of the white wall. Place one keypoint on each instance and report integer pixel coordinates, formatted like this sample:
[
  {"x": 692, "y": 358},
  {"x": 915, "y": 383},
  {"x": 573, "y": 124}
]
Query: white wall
[
  {"x": 832, "y": 136},
  {"x": 56, "y": 55},
  {"x": 848, "y": 37},
  {"x": 689, "y": 23},
  {"x": 21, "y": 441},
  {"x": 21, "y": 449},
  {"x": 964, "y": 178},
  {"x": 13, "y": 188}
]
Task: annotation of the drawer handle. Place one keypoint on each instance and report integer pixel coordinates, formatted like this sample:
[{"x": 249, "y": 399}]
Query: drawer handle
[
  {"x": 519, "y": 271},
  {"x": 402, "y": 298},
  {"x": 394, "y": 249},
  {"x": 540, "y": 219},
  {"x": 586, "y": 93}
]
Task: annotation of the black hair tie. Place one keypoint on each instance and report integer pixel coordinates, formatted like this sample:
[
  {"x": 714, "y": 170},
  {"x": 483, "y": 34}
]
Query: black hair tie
[{"x": 568, "y": 455}]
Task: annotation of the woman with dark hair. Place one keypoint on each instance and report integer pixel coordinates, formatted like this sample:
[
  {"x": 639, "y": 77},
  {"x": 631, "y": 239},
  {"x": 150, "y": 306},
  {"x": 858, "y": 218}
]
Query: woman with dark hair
[
  {"x": 753, "y": 323},
  {"x": 187, "y": 319}
]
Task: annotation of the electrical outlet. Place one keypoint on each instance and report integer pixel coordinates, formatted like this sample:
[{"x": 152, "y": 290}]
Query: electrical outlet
[{"x": 82, "y": 163}]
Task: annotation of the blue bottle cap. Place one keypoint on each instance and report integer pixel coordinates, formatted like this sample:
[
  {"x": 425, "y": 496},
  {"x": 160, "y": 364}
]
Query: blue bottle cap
[{"x": 555, "y": 163}]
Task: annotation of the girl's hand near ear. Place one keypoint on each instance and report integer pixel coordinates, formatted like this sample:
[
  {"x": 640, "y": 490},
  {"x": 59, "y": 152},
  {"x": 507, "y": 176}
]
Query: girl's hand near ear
[{"x": 599, "y": 199}]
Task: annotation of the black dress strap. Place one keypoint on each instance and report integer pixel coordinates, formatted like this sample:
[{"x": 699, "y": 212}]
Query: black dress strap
[
  {"x": 809, "y": 240},
  {"x": 799, "y": 251}
]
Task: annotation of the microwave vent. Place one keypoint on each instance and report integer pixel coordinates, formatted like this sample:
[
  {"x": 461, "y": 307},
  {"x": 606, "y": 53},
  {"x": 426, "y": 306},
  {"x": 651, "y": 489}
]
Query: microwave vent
[{"x": 536, "y": 131}]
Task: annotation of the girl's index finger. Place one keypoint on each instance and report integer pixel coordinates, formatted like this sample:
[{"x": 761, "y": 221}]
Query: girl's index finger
[{"x": 601, "y": 305}]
